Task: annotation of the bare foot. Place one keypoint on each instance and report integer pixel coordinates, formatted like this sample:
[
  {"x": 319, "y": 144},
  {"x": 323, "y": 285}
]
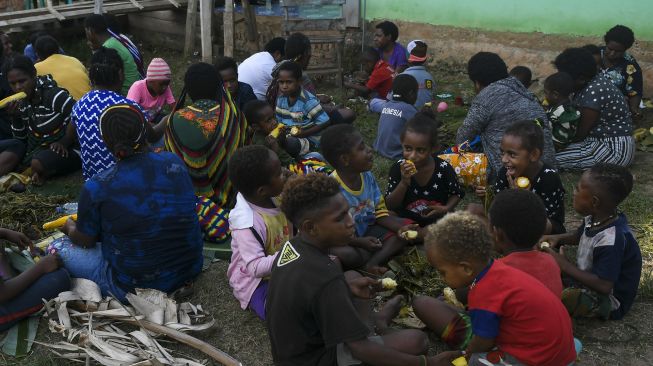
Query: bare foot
[
  {"x": 36, "y": 179},
  {"x": 389, "y": 311}
]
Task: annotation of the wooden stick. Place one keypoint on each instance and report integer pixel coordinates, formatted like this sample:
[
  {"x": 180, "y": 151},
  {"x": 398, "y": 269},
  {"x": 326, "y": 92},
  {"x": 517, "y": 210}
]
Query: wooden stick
[
  {"x": 228, "y": 25},
  {"x": 206, "y": 20},
  {"x": 191, "y": 22}
]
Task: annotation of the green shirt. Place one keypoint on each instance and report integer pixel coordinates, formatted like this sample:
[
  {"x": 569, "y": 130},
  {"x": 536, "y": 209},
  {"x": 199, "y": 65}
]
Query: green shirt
[{"x": 129, "y": 66}]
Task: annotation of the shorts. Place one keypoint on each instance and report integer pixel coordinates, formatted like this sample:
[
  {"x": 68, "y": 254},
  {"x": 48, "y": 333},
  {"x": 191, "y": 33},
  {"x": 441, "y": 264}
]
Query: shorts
[
  {"x": 379, "y": 232},
  {"x": 15, "y": 146},
  {"x": 458, "y": 332},
  {"x": 55, "y": 164},
  {"x": 258, "y": 299},
  {"x": 344, "y": 356},
  {"x": 585, "y": 303}
]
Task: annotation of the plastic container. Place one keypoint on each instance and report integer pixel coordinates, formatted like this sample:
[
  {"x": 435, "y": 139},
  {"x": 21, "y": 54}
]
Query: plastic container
[{"x": 68, "y": 208}]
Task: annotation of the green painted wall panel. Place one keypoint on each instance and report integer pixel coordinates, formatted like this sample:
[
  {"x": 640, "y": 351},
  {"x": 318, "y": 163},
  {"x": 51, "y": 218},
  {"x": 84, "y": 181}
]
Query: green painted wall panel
[{"x": 576, "y": 17}]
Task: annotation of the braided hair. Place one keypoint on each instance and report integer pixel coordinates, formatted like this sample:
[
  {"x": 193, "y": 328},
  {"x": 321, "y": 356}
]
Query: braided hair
[
  {"x": 105, "y": 68},
  {"x": 122, "y": 127}
]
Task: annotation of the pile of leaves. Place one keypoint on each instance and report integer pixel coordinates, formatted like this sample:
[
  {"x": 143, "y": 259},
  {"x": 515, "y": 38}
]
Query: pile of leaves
[
  {"x": 415, "y": 276},
  {"x": 27, "y": 212}
]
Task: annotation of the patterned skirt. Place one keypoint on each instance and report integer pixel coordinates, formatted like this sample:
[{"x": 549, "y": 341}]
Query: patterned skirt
[{"x": 618, "y": 150}]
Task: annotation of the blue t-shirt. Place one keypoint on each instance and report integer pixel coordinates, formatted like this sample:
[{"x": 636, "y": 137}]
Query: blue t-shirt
[
  {"x": 426, "y": 84},
  {"x": 366, "y": 203},
  {"x": 394, "y": 116},
  {"x": 143, "y": 211},
  {"x": 612, "y": 253},
  {"x": 86, "y": 113}
]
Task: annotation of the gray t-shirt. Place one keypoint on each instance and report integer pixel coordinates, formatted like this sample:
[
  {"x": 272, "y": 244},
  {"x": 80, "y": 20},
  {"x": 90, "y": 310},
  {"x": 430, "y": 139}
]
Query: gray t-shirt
[
  {"x": 600, "y": 94},
  {"x": 426, "y": 84},
  {"x": 394, "y": 115}
]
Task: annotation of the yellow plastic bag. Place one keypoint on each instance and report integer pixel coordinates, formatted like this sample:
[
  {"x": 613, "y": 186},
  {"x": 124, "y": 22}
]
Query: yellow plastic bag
[{"x": 471, "y": 168}]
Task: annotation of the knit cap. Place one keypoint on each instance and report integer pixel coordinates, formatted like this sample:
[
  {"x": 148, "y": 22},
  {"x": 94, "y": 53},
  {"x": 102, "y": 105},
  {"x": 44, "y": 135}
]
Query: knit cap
[{"x": 158, "y": 70}]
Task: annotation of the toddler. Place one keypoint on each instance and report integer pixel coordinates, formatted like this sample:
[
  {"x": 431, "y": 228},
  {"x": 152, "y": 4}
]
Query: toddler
[
  {"x": 523, "y": 74},
  {"x": 380, "y": 74},
  {"x": 153, "y": 93},
  {"x": 241, "y": 92},
  {"x": 564, "y": 117}
]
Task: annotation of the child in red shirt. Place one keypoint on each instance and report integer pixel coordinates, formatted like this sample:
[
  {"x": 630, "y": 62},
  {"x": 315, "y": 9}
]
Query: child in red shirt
[
  {"x": 518, "y": 220},
  {"x": 514, "y": 318},
  {"x": 381, "y": 74}
]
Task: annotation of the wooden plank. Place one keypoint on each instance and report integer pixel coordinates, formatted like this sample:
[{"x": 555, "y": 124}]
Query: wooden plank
[
  {"x": 250, "y": 21},
  {"x": 53, "y": 11},
  {"x": 172, "y": 15},
  {"x": 136, "y": 4},
  {"x": 351, "y": 12},
  {"x": 159, "y": 25},
  {"x": 97, "y": 9},
  {"x": 228, "y": 25},
  {"x": 300, "y": 25},
  {"x": 191, "y": 22},
  {"x": 287, "y": 3},
  {"x": 206, "y": 16}
]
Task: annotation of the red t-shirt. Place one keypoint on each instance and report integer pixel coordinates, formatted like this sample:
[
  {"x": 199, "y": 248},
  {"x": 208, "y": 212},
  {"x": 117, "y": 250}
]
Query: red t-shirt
[
  {"x": 539, "y": 265},
  {"x": 526, "y": 320},
  {"x": 381, "y": 79}
]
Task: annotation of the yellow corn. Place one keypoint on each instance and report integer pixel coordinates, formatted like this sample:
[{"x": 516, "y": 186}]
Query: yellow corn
[
  {"x": 388, "y": 284},
  {"x": 277, "y": 130},
  {"x": 460, "y": 361},
  {"x": 58, "y": 222},
  {"x": 523, "y": 182},
  {"x": 12, "y": 98}
]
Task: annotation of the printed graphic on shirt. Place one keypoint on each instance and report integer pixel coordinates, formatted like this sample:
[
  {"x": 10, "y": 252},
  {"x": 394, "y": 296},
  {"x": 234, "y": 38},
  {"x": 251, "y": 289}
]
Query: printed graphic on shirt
[{"x": 288, "y": 255}]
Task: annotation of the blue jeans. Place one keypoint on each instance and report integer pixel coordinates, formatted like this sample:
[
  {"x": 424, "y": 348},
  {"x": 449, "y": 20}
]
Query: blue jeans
[{"x": 87, "y": 263}]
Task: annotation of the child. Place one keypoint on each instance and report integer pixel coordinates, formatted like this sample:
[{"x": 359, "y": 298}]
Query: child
[
  {"x": 609, "y": 262},
  {"x": 153, "y": 93},
  {"x": 433, "y": 190},
  {"x": 311, "y": 315},
  {"x": 521, "y": 152},
  {"x": 381, "y": 74},
  {"x": 22, "y": 295},
  {"x": 260, "y": 116},
  {"x": 523, "y": 74},
  {"x": 394, "y": 115},
  {"x": 297, "y": 107},
  {"x": 515, "y": 319},
  {"x": 241, "y": 93},
  {"x": 375, "y": 242},
  {"x": 518, "y": 220},
  {"x": 416, "y": 69},
  {"x": 258, "y": 227},
  {"x": 564, "y": 117}
]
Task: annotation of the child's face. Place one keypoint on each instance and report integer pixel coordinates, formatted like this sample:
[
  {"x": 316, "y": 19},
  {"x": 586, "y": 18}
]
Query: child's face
[
  {"x": 230, "y": 80},
  {"x": 278, "y": 179},
  {"x": 20, "y": 81},
  {"x": 515, "y": 158},
  {"x": 158, "y": 87},
  {"x": 334, "y": 225},
  {"x": 267, "y": 121},
  {"x": 584, "y": 199},
  {"x": 456, "y": 275},
  {"x": 417, "y": 148},
  {"x": 360, "y": 157},
  {"x": 553, "y": 97},
  {"x": 288, "y": 85}
]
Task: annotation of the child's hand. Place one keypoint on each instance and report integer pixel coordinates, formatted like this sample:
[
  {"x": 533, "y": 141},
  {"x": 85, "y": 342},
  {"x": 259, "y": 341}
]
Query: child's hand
[
  {"x": 435, "y": 211},
  {"x": 552, "y": 240},
  {"x": 368, "y": 243},
  {"x": 17, "y": 238},
  {"x": 59, "y": 149},
  {"x": 69, "y": 226},
  {"x": 410, "y": 233},
  {"x": 407, "y": 171},
  {"x": 49, "y": 263},
  {"x": 559, "y": 257},
  {"x": 364, "y": 287},
  {"x": 480, "y": 191}
]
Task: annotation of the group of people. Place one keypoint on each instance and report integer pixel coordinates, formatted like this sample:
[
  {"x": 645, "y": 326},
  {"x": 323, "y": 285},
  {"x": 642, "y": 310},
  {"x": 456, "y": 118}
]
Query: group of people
[{"x": 257, "y": 157}]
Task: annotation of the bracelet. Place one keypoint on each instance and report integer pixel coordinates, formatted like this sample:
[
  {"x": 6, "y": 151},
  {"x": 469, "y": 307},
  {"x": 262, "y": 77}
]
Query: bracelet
[{"x": 422, "y": 360}]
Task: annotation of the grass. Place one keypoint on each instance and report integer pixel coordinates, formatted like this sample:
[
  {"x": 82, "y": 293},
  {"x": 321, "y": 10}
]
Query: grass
[{"x": 242, "y": 335}]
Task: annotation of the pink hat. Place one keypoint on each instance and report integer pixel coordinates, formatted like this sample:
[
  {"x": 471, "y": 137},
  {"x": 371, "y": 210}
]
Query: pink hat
[{"x": 158, "y": 70}]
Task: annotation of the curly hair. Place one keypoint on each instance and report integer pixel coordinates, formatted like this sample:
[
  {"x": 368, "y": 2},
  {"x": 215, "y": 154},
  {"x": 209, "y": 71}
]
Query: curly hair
[
  {"x": 620, "y": 34},
  {"x": 337, "y": 141},
  {"x": 202, "y": 81},
  {"x": 613, "y": 180},
  {"x": 249, "y": 168},
  {"x": 402, "y": 86},
  {"x": 530, "y": 133},
  {"x": 521, "y": 215},
  {"x": 389, "y": 29},
  {"x": 277, "y": 44},
  {"x": 460, "y": 236},
  {"x": 486, "y": 68},
  {"x": 577, "y": 62},
  {"x": 305, "y": 195},
  {"x": 523, "y": 74},
  {"x": 225, "y": 63},
  {"x": 423, "y": 123},
  {"x": 294, "y": 68},
  {"x": 46, "y": 46}
]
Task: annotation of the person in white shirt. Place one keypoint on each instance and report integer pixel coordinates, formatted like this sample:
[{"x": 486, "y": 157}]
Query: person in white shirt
[{"x": 256, "y": 70}]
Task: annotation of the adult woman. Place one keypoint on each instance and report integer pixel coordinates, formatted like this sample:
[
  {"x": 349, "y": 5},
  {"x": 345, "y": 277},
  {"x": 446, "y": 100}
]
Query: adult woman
[
  {"x": 605, "y": 128},
  {"x": 501, "y": 101},
  {"x": 143, "y": 211},
  {"x": 385, "y": 40},
  {"x": 39, "y": 123},
  {"x": 621, "y": 67}
]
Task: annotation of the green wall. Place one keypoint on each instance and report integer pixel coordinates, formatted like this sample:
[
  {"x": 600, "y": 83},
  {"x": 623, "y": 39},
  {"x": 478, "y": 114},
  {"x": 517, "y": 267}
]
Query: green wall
[{"x": 577, "y": 17}]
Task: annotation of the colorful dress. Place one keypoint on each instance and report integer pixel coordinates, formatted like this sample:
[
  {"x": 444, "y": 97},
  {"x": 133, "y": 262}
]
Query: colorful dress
[{"x": 626, "y": 75}]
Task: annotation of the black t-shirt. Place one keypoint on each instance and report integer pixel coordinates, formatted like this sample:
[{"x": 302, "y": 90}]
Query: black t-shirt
[
  {"x": 309, "y": 310},
  {"x": 442, "y": 185},
  {"x": 548, "y": 187}
]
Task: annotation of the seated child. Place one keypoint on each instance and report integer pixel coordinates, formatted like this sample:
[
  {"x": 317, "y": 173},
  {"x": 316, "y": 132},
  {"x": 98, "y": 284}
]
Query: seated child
[
  {"x": 297, "y": 107},
  {"x": 523, "y": 74},
  {"x": 394, "y": 115},
  {"x": 422, "y": 187},
  {"x": 241, "y": 93},
  {"x": 312, "y": 317},
  {"x": 609, "y": 262},
  {"x": 521, "y": 151},
  {"x": 513, "y": 318},
  {"x": 425, "y": 81},
  {"x": 381, "y": 74},
  {"x": 153, "y": 93},
  {"x": 375, "y": 241},
  {"x": 258, "y": 227},
  {"x": 564, "y": 117},
  {"x": 22, "y": 295},
  {"x": 518, "y": 219}
]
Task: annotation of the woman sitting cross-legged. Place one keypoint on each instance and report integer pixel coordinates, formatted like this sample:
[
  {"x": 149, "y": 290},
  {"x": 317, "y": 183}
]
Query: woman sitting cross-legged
[{"x": 142, "y": 210}]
